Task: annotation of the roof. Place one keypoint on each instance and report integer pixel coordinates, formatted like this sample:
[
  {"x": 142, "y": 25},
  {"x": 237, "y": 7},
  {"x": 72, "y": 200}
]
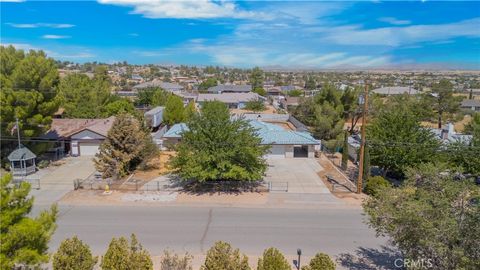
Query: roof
[
  {"x": 175, "y": 131},
  {"x": 64, "y": 128},
  {"x": 230, "y": 88},
  {"x": 287, "y": 87},
  {"x": 470, "y": 103},
  {"x": 155, "y": 110},
  {"x": 269, "y": 134},
  {"x": 164, "y": 85},
  {"x": 229, "y": 97},
  {"x": 395, "y": 90},
  {"x": 21, "y": 153}
]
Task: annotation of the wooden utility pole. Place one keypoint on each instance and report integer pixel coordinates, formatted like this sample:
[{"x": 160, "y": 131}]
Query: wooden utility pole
[{"x": 362, "y": 145}]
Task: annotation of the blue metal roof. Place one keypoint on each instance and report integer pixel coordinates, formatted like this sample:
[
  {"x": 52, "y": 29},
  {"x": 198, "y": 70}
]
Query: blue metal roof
[{"x": 269, "y": 133}]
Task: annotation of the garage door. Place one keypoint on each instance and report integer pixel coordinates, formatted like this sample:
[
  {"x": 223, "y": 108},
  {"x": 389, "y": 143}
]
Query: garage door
[
  {"x": 89, "y": 149},
  {"x": 276, "y": 151}
]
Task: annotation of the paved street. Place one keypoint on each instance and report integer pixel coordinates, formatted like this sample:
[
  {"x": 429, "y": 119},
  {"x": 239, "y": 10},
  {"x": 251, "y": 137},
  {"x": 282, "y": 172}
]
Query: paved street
[{"x": 195, "y": 229}]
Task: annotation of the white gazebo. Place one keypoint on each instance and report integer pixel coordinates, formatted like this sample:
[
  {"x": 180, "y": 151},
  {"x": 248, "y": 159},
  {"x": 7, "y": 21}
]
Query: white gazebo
[{"x": 22, "y": 161}]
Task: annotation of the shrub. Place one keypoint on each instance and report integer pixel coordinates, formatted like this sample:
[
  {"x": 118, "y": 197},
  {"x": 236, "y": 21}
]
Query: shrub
[
  {"x": 43, "y": 164},
  {"x": 321, "y": 261},
  {"x": 273, "y": 259},
  {"x": 122, "y": 255},
  {"x": 375, "y": 184},
  {"x": 73, "y": 254},
  {"x": 223, "y": 257},
  {"x": 174, "y": 262}
]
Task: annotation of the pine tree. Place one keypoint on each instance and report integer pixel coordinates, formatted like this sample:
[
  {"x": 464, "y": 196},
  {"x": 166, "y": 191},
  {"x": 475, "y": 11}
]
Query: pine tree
[
  {"x": 345, "y": 151},
  {"x": 321, "y": 261},
  {"x": 73, "y": 254},
  {"x": 273, "y": 259},
  {"x": 122, "y": 255},
  {"x": 124, "y": 147},
  {"x": 23, "y": 240},
  {"x": 189, "y": 111},
  {"x": 223, "y": 257},
  {"x": 174, "y": 262}
]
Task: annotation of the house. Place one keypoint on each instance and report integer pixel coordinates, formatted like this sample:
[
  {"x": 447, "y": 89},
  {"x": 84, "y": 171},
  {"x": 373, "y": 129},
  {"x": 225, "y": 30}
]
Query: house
[
  {"x": 471, "y": 104},
  {"x": 233, "y": 100},
  {"x": 273, "y": 91},
  {"x": 283, "y": 143},
  {"x": 154, "y": 117},
  {"x": 79, "y": 137},
  {"x": 448, "y": 135},
  {"x": 289, "y": 102},
  {"x": 170, "y": 87},
  {"x": 395, "y": 90},
  {"x": 230, "y": 88},
  {"x": 187, "y": 97}
]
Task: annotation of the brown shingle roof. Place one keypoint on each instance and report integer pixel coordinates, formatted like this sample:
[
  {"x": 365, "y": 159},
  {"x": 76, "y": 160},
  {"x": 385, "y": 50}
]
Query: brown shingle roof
[{"x": 64, "y": 128}]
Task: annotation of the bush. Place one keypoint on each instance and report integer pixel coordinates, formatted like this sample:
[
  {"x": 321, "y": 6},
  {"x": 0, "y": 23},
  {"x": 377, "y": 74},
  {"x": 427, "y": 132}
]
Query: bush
[
  {"x": 43, "y": 164},
  {"x": 223, "y": 257},
  {"x": 375, "y": 184},
  {"x": 273, "y": 259},
  {"x": 174, "y": 262},
  {"x": 73, "y": 254},
  {"x": 321, "y": 261},
  {"x": 124, "y": 255}
]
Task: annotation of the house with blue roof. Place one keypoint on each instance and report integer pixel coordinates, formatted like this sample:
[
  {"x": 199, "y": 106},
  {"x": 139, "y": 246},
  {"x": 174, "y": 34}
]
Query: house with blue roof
[{"x": 283, "y": 143}]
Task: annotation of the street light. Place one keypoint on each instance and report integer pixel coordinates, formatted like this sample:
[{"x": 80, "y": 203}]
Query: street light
[{"x": 297, "y": 262}]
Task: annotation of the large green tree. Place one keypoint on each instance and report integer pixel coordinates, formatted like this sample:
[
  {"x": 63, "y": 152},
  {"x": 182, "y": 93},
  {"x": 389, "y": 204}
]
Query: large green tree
[
  {"x": 122, "y": 255},
  {"x": 433, "y": 216},
  {"x": 397, "y": 141},
  {"x": 321, "y": 261},
  {"x": 127, "y": 145},
  {"x": 273, "y": 259},
  {"x": 23, "y": 240},
  {"x": 153, "y": 96},
  {"x": 209, "y": 82},
  {"x": 174, "y": 110},
  {"x": 73, "y": 254},
  {"x": 27, "y": 82},
  {"x": 256, "y": 78},
  {"x": 222, "y": 256},
  {"x": 442, "y": 100},
  {"x": 216, "y": 147}
]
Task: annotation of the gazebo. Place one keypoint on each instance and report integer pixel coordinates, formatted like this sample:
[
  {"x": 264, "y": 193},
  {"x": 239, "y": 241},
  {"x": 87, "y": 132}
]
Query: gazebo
[{"x": 22, "y": 161}]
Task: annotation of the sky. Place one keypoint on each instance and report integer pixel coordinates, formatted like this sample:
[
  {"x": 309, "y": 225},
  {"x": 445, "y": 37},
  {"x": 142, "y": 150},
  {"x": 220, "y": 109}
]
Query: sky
[{"x": 290, "y": 34}]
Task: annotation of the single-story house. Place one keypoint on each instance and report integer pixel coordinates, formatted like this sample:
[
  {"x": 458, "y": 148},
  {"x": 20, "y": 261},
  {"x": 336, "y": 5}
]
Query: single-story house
[
  {"x": 233, "y": 100},
  {"x": 289, "y": 102},
  {"x": 187, "y": 97},
  {"x": 79, "y": 137},
  {"x": 170, "y": 87},
  {"x": 471, "y": 104},
  {"x": 284, "y": 143},
  {"x": 229, "y": 88},
  {"x": 395, "y": 90}
]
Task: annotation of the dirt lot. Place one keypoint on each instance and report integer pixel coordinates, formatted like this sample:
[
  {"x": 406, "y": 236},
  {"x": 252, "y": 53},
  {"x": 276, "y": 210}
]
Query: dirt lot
[{"x": 157, "y": 166}]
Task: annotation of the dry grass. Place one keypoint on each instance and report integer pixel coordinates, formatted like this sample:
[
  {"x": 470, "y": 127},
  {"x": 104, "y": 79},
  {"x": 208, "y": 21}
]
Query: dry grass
[{"x": 156, "y": 167}]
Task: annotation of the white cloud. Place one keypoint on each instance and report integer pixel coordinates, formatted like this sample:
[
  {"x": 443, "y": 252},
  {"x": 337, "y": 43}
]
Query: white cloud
[
  {"x": 198, "y": 9},
  {"x": 67, "y": 52},
  {"x": 38, "y": 25},
  {"x": 394, "y": 21},
  {"x": 54, "y": 37}
]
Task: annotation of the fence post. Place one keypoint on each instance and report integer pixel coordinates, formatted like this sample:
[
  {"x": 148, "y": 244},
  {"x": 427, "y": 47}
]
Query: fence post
[
  {"x": 38, "y": 181},
  {"x": 136, "y": 185},
  {"x": 158, "y": 185}
]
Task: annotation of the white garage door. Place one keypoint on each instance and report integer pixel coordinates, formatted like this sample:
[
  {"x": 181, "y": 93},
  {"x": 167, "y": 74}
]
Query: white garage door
[
  {"x": 89, "y": 149},
  {"x": 276, "y": 151}
]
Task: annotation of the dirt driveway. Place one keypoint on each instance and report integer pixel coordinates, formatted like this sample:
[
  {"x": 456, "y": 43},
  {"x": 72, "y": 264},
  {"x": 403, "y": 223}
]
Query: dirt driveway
[{"x": 300, "y": 174}]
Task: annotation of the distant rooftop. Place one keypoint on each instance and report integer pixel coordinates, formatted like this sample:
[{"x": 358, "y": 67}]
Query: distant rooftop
[
  {"x": 172, "y": 87},
  {"x": 229, "y": 97},
  {"x": 230, "y": 88},
  {"x": 396, "y": 90}
]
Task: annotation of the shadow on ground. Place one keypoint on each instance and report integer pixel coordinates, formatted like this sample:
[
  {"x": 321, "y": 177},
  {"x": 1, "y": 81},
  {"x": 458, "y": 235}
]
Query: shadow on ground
[
  {"x": 215, "y": 187},
  {"x": 369, "y": 258}
]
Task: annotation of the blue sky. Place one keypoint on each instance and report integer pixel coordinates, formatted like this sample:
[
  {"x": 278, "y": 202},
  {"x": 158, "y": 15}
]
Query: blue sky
[{"x": 295, "y": 34}]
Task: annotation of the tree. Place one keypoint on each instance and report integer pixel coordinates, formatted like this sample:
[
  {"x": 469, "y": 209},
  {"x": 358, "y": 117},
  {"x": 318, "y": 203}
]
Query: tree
[
  {"x": 256, "y": 78},
  {"x": 473, "y": 128},
  {"x": 27, "y": 82},
  {"x": 321, "y": 261},
  {"x": 255, "y": 105},
  {"x": 223, "y": 257},
  {"x": 310, "y": 83},
  {"x": 433, "y": 216},
  {"x": 216, "y": 147},
  {"x": 174, "y": 111},
  {"x": 175, "y": 262},
  {"x": 122, "y": 255},
  {"x": 209, "y": 82},
  {"x": 375, "y": 185},
  {"x": 442, "y": 99},
  {"x": 351, "y": 107},
  {"x": 295, "y": 93},
  {"x": 189, "y": 111},
  {"x": 127, "y": 145},
  {"x": 154, "y": 96},
  {"x": 23, "y": 240},
  {"x": 73, "y": 254},
  {"x": 273, "y": 259},
  {"x": 397, "y": 141},
  {"x": 465, "y": 155},
  {"x": 119, "y": 106},
  {"x": 260, "y": 91},
  {"x": 345, "y": 151}
]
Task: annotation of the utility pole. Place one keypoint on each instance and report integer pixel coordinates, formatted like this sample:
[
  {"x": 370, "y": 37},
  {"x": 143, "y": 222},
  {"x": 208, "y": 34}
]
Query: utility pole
[{"x": 362, "y": 145}]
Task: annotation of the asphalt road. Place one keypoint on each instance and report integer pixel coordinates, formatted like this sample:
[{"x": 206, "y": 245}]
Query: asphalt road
[{"x": 195, "y": 229}]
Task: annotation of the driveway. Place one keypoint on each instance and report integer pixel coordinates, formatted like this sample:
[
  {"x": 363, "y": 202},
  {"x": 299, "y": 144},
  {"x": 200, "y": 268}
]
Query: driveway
[
  {"x": 56, "y": 181},
  {"x": 299, "y": 173}
]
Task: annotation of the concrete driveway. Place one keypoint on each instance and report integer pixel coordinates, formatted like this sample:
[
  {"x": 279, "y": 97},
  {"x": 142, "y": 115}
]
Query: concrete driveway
[
  {"x": 299, "y": 173},
  {"x": 56, "y": 181}
]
